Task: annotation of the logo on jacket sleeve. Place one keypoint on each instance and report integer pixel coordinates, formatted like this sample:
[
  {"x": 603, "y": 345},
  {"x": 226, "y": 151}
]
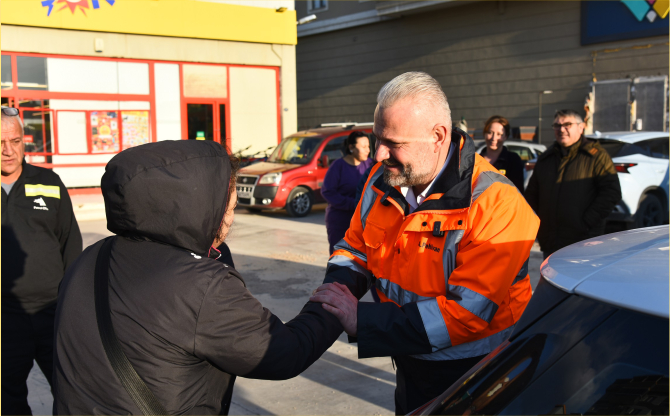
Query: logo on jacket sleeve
[{"x": 40, "y": 204}]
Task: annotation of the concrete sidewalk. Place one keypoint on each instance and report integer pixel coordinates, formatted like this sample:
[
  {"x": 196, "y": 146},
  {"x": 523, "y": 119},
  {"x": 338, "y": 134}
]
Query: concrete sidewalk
[{"x": 88, "y": 207}]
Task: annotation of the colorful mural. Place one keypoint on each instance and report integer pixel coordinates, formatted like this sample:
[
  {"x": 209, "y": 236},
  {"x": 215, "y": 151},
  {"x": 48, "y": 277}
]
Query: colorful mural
[{"x": 73, "y": 5}]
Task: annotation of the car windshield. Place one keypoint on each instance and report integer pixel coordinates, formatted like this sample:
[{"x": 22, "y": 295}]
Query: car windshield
[{"x": 296, "y": 149}]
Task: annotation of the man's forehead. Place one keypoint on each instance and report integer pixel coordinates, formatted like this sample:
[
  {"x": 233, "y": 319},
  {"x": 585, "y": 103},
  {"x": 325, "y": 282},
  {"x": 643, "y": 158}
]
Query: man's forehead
[{"x": 566, "y": 119}]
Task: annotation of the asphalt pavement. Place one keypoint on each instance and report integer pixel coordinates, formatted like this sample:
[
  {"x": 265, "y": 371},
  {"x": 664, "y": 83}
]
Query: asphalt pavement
[{"x": 283, "y": 259}]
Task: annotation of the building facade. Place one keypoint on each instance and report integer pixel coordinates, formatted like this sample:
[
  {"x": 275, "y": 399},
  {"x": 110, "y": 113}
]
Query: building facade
[
  {"x": 94, "y": 77},
  {"x": 522, "y": 60}
]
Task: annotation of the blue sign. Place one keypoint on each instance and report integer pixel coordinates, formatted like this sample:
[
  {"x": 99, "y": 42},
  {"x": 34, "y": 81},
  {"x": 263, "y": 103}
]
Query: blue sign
[{"x": 607, "y": 21}]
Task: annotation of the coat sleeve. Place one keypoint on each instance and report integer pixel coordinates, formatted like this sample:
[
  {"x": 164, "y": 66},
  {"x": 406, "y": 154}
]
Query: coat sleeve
[
  {"x": 237, "y": 334},
  {"x": 68, "y": 232},
  {"x": 331, "y": 188},
  {"x": 608, "y": 190},
  {"x": 532, "y": 192},
  {"x": 515, "y": 173},
  {"x": 491, "y": 254}
]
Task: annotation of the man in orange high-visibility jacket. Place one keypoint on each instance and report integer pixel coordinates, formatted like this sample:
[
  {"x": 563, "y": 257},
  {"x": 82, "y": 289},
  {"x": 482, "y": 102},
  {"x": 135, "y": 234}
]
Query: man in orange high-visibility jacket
[{"x": 442, "y": 236}]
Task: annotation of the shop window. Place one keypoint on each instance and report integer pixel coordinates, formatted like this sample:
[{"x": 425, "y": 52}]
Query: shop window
[
  {"x": 205, "y": 81},
  {"x": 317, "y": 5},
  {"x": 72, "y": 132},
  {"x": 37, "y": 131},
  {"x": 104, "y": 132},
  {"x": 32, "y": 73},
  {"x": 6, "y": 72},
  {"x": 134, "y": 128}
]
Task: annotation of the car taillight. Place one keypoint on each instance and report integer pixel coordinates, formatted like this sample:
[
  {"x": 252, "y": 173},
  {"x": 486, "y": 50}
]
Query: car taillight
[
  {"x": 623, "y": 167},
  {"x": 530, "y": 166}
]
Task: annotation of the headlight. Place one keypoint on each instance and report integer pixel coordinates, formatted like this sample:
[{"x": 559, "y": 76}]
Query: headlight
[{"x": 271, "y": 178}]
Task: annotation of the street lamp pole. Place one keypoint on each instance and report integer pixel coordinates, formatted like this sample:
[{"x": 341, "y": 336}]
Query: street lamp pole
[{"x": 539, "y": 127}]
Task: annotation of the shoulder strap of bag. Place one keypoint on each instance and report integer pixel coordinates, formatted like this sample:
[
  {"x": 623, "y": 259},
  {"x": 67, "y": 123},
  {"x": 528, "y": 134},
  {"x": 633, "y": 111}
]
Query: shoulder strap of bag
[{"x": 131, "y": 381}]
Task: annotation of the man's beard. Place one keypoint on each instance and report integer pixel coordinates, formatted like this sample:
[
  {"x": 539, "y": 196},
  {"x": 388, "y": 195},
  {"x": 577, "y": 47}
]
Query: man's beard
[{"x": 408, "y": 176}]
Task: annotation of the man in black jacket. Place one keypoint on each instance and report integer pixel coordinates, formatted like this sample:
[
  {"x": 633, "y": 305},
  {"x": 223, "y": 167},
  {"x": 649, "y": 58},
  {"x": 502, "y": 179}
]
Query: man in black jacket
[
  {"x": 574, "y": 186},
  {"x": 185, "y": 321},
  {"x": 40, "y": 239}
]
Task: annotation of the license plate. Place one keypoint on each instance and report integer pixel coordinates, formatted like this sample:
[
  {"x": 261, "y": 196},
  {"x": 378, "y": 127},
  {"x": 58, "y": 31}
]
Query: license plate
[{"x": 244, "y": 191}]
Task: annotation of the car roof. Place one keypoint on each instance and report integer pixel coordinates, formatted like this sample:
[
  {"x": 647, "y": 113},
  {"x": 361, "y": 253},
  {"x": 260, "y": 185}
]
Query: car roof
[
  {"x": 329, "y": 130},
  {"x": 628, "y": 136},
  {"x": 628, "y": 269}
]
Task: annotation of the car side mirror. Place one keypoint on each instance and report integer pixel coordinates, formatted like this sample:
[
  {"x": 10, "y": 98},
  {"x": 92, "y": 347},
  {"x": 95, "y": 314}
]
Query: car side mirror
[{"x": 323, "y": 161}]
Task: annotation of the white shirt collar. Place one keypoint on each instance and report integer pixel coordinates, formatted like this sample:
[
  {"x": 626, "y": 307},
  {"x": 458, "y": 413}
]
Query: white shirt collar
[{"x": 408, "y": 193}]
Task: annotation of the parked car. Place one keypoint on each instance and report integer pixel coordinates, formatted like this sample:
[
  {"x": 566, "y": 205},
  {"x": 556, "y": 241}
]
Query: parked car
[
  {"x": 527, "y": 151},
  {"x": 592, "y": 340},
  {"x": 292, "y": 176},
  {"x": 641, "y": 161}
]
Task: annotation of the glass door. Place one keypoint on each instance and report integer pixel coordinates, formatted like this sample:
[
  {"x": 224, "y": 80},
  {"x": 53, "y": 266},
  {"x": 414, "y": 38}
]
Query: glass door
[{"x": 200, "y": 121}]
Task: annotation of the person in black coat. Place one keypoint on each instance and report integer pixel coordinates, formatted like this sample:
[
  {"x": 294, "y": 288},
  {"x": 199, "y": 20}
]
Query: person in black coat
[
  {"x": 496, "y": 131},
  {"x": 185, "y": 320},
  {"x": 40, "y": 239}
]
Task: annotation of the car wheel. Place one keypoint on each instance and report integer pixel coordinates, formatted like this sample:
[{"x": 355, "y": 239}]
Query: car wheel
[
  {"x": 299, "y": 202},
  {"x": 650, "y": 212}
]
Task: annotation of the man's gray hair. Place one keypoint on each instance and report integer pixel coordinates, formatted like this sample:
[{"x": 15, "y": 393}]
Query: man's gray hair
[
  {"x": 10, "y": 119},
  {"x": 569, "y": 113},
  {"x": 415, "y": 85}
]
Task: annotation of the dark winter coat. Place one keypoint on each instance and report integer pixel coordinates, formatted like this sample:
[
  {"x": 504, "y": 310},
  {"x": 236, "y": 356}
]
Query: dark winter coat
[
  {"x": 40, "y": 239},
  {"x": 572, "y": 194},
  {"x": 185, "y": 321}
]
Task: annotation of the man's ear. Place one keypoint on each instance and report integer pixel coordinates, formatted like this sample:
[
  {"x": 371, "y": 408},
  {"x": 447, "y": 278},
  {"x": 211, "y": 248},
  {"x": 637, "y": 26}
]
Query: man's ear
[{"x": 441, "y": 136}]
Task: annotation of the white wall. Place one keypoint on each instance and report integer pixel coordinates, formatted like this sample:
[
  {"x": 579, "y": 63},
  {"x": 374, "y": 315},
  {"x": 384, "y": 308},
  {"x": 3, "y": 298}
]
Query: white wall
[
  {"x": 72, "y": 132},
  {"x": 102, "y": 77},
  {"x": 133, "y": 78},
  {"x": 168, "y": 105},
  {"x": 253, "y": 108}
]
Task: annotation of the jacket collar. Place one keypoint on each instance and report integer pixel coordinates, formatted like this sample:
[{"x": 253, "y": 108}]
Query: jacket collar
[{"x": 452, "y": 189}]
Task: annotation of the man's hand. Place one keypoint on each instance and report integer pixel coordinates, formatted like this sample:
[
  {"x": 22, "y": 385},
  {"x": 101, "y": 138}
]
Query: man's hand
[{"x": 338, "y": 300}]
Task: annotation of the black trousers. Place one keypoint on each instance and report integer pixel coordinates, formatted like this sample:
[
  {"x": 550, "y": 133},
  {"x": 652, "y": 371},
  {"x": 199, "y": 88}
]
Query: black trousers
[
  {"x": 419, "y": 381},
  {"x": 24, "y": 338}
]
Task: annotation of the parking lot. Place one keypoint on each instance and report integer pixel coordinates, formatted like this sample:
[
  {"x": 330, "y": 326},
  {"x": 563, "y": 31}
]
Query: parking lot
[{"x": 282, "y": 259}]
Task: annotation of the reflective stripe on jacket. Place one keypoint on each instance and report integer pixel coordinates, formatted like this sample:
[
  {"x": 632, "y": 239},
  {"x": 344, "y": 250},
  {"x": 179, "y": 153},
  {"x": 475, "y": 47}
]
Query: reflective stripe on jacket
[{"x": 453, "y": 275}]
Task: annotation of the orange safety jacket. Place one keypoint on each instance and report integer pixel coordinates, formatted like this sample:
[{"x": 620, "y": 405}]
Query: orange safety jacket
[{"x": 452, "y": 276}]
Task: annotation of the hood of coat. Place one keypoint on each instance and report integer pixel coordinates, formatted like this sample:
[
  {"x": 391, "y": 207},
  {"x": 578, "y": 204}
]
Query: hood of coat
[{"x": 173, "y": 192}]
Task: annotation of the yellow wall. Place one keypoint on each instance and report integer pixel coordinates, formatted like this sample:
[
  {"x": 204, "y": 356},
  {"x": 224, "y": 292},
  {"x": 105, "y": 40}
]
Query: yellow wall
[{"x": 175, "y": 18}]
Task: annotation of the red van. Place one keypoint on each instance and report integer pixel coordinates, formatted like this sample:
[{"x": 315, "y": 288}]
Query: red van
[{"x": 292, "y": 176}]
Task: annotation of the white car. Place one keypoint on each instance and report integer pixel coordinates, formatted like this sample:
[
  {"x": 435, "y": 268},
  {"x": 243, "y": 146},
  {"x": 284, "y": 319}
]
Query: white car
[
  {"x": 593, "y": 340},
  {"x": 527, "y": 151},
  {"x": 641, "y": 161}
]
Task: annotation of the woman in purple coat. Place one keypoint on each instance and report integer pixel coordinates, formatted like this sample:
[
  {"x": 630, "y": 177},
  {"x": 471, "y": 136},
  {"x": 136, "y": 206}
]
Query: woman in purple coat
[{"x": 339, "y": 186}]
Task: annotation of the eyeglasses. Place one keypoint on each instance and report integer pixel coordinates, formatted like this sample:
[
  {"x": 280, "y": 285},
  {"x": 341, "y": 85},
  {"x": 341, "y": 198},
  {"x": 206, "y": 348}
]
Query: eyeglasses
[
  {"x": 557, "y": 126},
  {"x": 10, "y": 111}
]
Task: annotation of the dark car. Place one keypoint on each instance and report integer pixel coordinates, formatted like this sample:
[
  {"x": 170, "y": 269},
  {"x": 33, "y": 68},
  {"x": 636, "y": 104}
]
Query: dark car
[{"x": 593, "y": 339}]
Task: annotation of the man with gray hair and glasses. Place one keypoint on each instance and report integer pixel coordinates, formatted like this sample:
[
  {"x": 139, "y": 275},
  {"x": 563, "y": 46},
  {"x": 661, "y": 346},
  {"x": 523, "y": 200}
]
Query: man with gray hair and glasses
[
  {"x": 40, "y": 239},
  {"x": 441, "y": 236},
  {"x": 574, "y": 186}
]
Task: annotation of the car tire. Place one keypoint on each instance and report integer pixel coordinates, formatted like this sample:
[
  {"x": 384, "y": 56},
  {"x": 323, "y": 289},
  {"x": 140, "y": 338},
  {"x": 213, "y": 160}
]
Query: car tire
[
  {"x": 299, "y": 202},
  {"x": 650, "y": 212}
]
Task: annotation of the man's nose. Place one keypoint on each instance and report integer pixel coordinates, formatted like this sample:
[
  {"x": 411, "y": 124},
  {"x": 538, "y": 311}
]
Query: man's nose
[
  {"x": 7, "y": 150},
  {"x": 382, "y": 153}
]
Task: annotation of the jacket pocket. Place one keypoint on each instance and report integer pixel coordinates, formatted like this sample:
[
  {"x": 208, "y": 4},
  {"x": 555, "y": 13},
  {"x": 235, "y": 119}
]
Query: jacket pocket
[{"x": 373, "y": 235}]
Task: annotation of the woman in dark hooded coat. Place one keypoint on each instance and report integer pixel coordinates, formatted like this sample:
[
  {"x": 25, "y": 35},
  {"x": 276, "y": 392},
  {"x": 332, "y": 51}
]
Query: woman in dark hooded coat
[{"x": 185, "y": 321}]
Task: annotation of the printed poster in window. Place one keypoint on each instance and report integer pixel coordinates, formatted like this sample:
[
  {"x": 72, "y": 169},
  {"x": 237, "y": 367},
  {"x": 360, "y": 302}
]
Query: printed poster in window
[
  {"x": 105, "y": 131},
  {"x": 135, "y": 127}
]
